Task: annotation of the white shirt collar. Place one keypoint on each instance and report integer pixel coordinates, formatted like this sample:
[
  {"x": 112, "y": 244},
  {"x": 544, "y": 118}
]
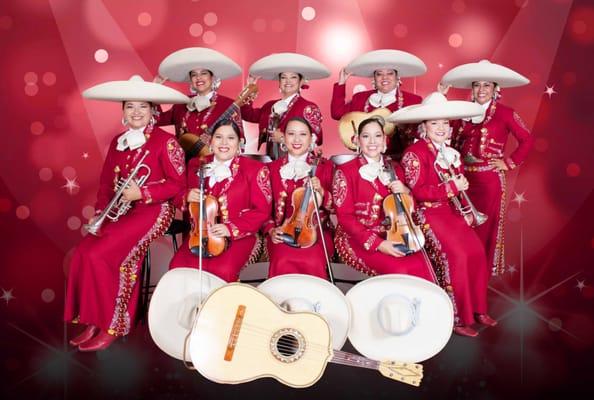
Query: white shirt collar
[{"x": 302, "y": 157}]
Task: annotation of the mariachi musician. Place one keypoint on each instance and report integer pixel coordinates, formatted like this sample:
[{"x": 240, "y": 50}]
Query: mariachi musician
[
  {"x": 481, "y": 141},
  {"x": 236, "y": 197},
  {"x": 359, "y": 189},
  {"x": 143, "y": 172},
  {"x": 205, "y": 69},
  {"x": 293, "y": 236},
  {"x": 292, "y": 72},
  {"x": 434, "y": 172},
  {"x": 385, "y": 67}
]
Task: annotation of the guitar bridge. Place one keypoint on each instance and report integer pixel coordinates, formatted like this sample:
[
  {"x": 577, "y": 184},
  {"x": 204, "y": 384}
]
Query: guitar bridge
[{"x": 232, "y": 342}]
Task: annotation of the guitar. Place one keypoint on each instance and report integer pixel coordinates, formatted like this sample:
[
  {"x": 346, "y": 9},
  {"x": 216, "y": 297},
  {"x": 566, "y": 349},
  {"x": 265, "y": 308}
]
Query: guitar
[
  {"x": 194, "y": 144},
  {"x": 241, "y": 335},
  {"x": 348, "y": 124}
]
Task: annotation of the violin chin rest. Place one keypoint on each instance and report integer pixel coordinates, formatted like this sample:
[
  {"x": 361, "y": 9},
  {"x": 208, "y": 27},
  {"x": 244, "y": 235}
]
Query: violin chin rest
[{"x": 289, "y": 240}]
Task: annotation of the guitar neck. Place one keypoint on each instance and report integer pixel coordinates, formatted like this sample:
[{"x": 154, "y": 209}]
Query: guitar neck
[
  {"x": 226, "y": 115},
  {"x": 353, "y": 360}
]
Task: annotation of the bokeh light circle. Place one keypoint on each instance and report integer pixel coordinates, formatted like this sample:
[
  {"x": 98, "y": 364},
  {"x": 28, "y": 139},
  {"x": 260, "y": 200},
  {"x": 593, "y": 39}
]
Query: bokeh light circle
[
  {"x": 101, "y": 56},
  {"x": 308, "y": 13}
]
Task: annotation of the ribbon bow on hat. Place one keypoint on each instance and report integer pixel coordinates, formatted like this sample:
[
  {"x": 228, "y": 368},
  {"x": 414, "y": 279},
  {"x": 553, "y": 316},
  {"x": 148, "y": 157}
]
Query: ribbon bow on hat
[
  {"x": 199, "y": 103},
  {"x": 296, "y": 169},
  {"x": 380, "y": 99},
  {"x": 373, "y": 170},
  {"x": 217, "y": 171},
  {"x": 133, "y": 139}
]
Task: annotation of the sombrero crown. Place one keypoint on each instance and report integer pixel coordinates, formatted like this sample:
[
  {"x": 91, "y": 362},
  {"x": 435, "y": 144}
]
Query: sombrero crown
[{"x": 462, "y": 76}]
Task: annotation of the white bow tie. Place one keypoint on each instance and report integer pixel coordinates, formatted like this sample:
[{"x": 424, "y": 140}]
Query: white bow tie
[
  {"x": 198, "y": 103},
  {"x": 216, "y": 172},
  {"x": 280, "y": 107},
  {"x": 373, "y": 170},
  {"x": 296, "y": 169},
  {"x": 379, "y": 99},
  {"x": 133, "y": 139}
]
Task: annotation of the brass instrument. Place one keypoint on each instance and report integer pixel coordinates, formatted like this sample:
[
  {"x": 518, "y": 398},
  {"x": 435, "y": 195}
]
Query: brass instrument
[
  {"x": 472, "y": 216},
  {"x": 118, "y": 206}
]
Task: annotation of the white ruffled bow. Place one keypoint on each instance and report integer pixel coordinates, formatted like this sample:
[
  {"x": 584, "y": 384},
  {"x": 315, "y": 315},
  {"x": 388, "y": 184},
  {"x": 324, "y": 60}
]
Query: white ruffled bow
[
  {"x": 379, "y": 99},
  {"x": 133, "y": 139},
  {"x": 448, "y": 156},
  {"x": 373, "y": 170},
  {"x": 296, "y": 169},
  {"x": 217, "y": 171},
  {"x": 281, "y": 106},
  {"x": 199, "y": 102}
]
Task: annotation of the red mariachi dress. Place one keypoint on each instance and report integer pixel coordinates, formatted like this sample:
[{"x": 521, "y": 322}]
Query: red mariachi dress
[
  {"x": 479, "y": 143},
  {"x": 104, "y": 271},
  {"x": 454, "y": 247},
  {"x": 298, "y": 107},
  {"x": 285, "y": 259},
  {"x": 244, "y": 205},
  {"x": 360, "y": 102},
  {"x": 198, "y": 121},
  {"x": 360, "y": 214}
]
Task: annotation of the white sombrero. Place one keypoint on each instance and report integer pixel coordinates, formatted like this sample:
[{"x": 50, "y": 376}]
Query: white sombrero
[
  {"x": 399, "y": 317},
  {"x": 173, "y": 307},
  {"x": 135, "y": 89},
  {"x": 177, "y": 66},
  {"x": 300, "y": 292},
  {"x": 271, "y": 66},
  {"x": 462, "y": 76},
  {"x": 405, "y": 63},
  {"x": 436, "y": 106}
]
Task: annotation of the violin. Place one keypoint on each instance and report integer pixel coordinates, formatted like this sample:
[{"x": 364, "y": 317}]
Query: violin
[
  {"x": 203, "y": 215},
  {"x": 299, "y": 230},
  {"x": 405, "y": 236}
]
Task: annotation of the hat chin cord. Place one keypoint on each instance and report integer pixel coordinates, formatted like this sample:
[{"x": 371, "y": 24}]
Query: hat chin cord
[{"x": 397, "y": 314}]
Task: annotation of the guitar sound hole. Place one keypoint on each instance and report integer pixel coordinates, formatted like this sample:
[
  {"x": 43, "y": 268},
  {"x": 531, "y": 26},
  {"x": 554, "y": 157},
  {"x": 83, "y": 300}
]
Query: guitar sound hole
[{"x": 287, "y": 345}]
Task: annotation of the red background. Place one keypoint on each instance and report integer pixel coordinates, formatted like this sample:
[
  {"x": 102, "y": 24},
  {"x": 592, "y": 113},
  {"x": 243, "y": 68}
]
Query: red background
[{"x": 51, "y": 52}]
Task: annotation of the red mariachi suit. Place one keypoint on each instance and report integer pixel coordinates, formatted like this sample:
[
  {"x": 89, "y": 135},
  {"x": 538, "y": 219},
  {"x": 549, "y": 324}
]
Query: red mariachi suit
[
  {"x": 479, "y": 143},
  {"x": 298, "y": 107},
  {"x": 244, "y": 205},
  {"x": 102, "y": 282},
  {"x": 360, "y": 214},
  {"x": 454, "y": 247},
  {"x": 197, "y": 121},
  {"x": 285, "y": 259},
  {"x": 360, "y": 102}
]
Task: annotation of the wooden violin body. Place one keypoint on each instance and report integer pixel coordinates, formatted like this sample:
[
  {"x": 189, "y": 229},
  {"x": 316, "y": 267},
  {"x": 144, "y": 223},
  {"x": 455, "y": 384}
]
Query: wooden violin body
[{"x": 299, "y": 230}]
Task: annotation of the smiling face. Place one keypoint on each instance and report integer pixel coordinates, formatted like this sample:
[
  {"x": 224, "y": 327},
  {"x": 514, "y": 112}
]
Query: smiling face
[
  {"x": 289, "y": 83},
  {"x": 225, "y": 143},
  {"x": 483, "y": 91},
  {"x": 385, "y": 80},
  {"x": 137, "y": 114},
  {"x": 201, "y": 81},
  {"x": 372, "y": 140},
  {"x": 438, "y": 130},
  {"x": 297, "y": 138}
]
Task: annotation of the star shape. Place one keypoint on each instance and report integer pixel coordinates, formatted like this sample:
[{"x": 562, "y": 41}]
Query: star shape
[
  {"x": 519, "y": 198},
  {"x": 511, "y": 269},
  {"x": 7, "y": 295},
  {"x": 71, "y": 185},
  {"x": 85, "y": 155},
  {"x": 580, "y": 284},
  {"x": 550, "y": 90}
]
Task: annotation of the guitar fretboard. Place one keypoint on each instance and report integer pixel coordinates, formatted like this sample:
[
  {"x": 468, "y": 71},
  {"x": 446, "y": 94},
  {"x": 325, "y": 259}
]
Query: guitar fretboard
[{"x": 344, "y": 358}]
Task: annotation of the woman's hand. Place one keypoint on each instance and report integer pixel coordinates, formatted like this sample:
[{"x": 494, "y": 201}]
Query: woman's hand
[
  {"x": 318, "y": 189},
  {"x": 343, "y": 76},
  {"x": 398, "y": 187},
  {"x": 159, "y": 79},
  {"x": 252, "y": 80},
  {"x": 219, "y": 230},
  {"x": 276, "y": 235},
  {"x": 461, "y": 182},
  {"x": 500, "y": 165},
  {"x": 193, "y": 196},
  {"x": 277, "y": 136},
  {"x": 387, "y": 247},
  {"x": 443, "y": 89},
  {"x": 132, "y": 192}
]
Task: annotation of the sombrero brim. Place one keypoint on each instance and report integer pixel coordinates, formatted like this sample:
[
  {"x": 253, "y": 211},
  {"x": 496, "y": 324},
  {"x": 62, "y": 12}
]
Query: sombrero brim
[
  {"x": 427, "y": 338},
  {"x": 169, "y": 316},
  {"x": 462, "y": 76},
  {"x": 405, "y": 63},
  {"x": 135, "y": 90},
  {"x": 332, "y": 303},
  {"x": 271, "y": 66},
  {"x": 177, "y": 66},
  {"x": 425, "y": 112}
]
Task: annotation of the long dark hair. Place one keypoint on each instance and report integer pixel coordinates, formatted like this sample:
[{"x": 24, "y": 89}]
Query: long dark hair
[
  {"x": 376, "y": 119},
  {"x": 227, "y": 122}
]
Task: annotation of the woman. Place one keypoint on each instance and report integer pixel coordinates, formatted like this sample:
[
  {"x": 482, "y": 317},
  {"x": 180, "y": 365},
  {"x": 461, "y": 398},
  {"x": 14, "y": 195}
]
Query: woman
[
  {"x": 287, "y": 174},
  {"x": 481, "y": 141},
  {"x": 433, "y": 171},
  {"x": 291, "y": 71},
  {"x": 204, "y": 69},
  {"x": 102, "y": 283},
  {"x": 358, "y": 191},
  {"x": 241, "y": 187}
]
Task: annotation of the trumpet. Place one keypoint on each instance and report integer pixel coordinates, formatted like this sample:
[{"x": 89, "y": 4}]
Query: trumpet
[
  {"x": 472, "y": 216},
  {"x": 119, "y": 206}
]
